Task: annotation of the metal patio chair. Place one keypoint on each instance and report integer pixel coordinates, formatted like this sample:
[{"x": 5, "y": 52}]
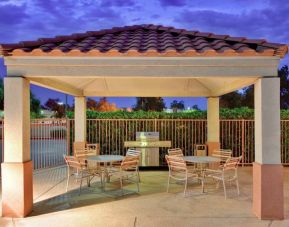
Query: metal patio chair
[
  {"x": 82, "y": 150},
  {"x": 175, "y": 152},
  {"x": 223, "y": 155},
  {"x": 80, "y": 170},
  {"x": 179, "y": 171},
  {"x": 228, "y": 173},
  {"x": 128, "y": 170}
]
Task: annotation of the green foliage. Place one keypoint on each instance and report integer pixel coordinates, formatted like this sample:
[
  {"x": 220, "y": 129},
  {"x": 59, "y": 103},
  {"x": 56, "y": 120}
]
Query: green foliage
[
  {"x": 142, "y": 115},
  {"x": 236, "y": 113},
  {"x": 34, "y": 115},
  {"x": 150, "y": 104},
  {"x": 177, "y": 105},
  {"x": 34, "y": 104}
]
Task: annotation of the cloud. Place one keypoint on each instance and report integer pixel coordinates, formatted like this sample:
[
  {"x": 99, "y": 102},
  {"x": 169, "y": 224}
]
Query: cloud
[
  {"x": 166, "y": 3},
  {"x": 12, "y": 15},
  {"x": 117, "y": 3},
  {"x": 267, "y": 23}
]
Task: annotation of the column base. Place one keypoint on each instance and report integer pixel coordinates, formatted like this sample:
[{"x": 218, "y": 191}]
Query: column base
[
  {"x": 268, "y": 197},
  {"x": 17, "y": 189},
  {"x": 213, "y": 146}
]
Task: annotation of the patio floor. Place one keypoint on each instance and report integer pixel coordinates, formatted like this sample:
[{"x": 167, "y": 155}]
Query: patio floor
[{"x": 152, "y": 207}]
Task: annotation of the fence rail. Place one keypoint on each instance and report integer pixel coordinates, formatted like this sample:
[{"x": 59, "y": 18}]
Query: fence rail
[{"x": 52, "y": 138}]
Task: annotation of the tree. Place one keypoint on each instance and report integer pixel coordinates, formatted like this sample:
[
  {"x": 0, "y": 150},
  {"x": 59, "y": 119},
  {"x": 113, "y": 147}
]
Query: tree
[
  {"x": 283, "y": 74},
  {"x": 177, "y": 105},
  {"x": 150, "y": 104},
  {"x": 248, "y": 97},
  {"x": 195, "y": 107},
  {"x": 91, "y": 104},
  {"x": 55, "y": 106},
  {"x": 34, "y": 102},
  {"x": 104, "y": 106},
  {"x": 231, "y": 100}
]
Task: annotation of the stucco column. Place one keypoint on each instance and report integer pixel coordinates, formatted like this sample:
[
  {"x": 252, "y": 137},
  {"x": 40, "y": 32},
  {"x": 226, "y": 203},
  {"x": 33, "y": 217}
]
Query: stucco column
[
  {"x": 213, "y": 124},
  {"x": 268, "y": 198},
  {"x": 80, "y": 119},
  {"x": 17, "y": 186}
]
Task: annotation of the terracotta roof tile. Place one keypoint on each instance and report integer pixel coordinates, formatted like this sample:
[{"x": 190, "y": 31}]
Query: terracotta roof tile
[{"x": 145, "y": 40}]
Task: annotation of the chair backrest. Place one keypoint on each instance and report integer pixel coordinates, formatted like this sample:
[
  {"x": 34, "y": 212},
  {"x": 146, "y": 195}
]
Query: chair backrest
[
  {"x": 223, "y": 154},
  {"x": 176, "y": 163},
  {"x": 79, "y": 145},
  {"x": 133, "y": 152},
  {"x": 130, "y": 162},
  {"x": 175, "y": 152},
  {"x": 73, "y": 162},
  {"x": 232, "y": 163}
]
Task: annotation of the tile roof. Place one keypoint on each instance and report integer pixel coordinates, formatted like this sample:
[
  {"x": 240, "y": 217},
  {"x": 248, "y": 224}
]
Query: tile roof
[{"x": 145, "y": 40}]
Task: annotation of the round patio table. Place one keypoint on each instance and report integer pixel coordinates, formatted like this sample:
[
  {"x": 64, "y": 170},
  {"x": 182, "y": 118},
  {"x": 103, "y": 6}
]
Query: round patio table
[
  {"x": 106, "y": 158},
  {"x": 201, "y": 159}
]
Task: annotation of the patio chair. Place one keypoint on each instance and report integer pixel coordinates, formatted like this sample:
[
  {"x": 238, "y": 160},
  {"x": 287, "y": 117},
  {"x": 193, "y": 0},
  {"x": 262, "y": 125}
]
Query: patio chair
[
  {"x": 228, "y": 173},
  {"x": 82, "y": 150},
  {"x": 175, "y": 152},
  {"x": 128, "y": 170},
  {"x": 223, "y": 154},
  {"x": 80, "y": 170},
  {"x": 178, "y": 171},
  {"x": 133, "y": 153}
]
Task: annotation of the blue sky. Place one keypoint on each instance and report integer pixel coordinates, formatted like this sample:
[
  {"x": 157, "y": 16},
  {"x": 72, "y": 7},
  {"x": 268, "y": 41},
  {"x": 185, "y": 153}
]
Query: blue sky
[{"x": 32, "y": 19}]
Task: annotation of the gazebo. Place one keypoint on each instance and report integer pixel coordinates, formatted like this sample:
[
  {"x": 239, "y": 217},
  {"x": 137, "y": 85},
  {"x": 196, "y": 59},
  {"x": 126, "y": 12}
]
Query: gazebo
[{"x": 143, "y": 61}]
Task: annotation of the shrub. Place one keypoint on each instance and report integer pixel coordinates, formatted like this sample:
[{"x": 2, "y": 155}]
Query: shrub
[{"x": 236, "y": 113}]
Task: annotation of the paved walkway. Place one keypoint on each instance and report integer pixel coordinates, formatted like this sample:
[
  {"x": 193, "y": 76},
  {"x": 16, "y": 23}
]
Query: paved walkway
[{"x": 152, "y": 207}]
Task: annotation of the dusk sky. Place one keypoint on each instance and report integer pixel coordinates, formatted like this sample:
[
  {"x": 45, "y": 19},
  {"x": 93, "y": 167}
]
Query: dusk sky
[{"x": 32, "y": 19}]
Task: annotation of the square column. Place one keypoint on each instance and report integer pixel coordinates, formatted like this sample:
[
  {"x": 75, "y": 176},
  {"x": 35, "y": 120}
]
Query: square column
[
  {"x": 17, "y": 180},
  {"x": 213, "y": 124},
  {"x": 268, "y": 198},
  {"x": 80, "y": 119}
]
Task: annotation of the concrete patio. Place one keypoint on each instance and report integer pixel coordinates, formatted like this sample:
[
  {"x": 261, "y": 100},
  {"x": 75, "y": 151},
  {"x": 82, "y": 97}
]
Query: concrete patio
[{"x": 152, "y": 207}]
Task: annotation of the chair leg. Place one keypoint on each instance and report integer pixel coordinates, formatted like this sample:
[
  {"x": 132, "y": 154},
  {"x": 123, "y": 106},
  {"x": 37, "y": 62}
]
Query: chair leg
[
  {"x": 137, "y": 180},
  {"x": 68, "y": 176},
  {"x": 80, "y": 184},
  {"x": 203, "y": 186},
  {"x": 186, "y": 183},
  {"x": 121, "y": 186},
  {"x": 237, "y": 185},
  {"x": 225, "y": 192},
  {"x": 88, "y": 181},
  {"x": 168, "y": 185},
  {"x": 138, "y": 175},
  {"x": 101, "y": 181}
]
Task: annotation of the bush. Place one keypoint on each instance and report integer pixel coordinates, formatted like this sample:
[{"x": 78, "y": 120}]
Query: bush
[{"x": 236, "y": 113}]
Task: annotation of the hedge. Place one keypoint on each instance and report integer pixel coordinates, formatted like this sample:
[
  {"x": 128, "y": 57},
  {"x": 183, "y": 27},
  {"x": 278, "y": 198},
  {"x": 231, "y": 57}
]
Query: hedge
[{"x": 237, "y": 113}]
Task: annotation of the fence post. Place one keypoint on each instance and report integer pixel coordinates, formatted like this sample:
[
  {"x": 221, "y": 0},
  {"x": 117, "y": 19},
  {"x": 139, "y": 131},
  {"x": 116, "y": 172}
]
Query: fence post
[
  {"x": 155, "y": 124},
  {"x": 68, "y": 135},
  {"x": 243, "y": 141}
]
